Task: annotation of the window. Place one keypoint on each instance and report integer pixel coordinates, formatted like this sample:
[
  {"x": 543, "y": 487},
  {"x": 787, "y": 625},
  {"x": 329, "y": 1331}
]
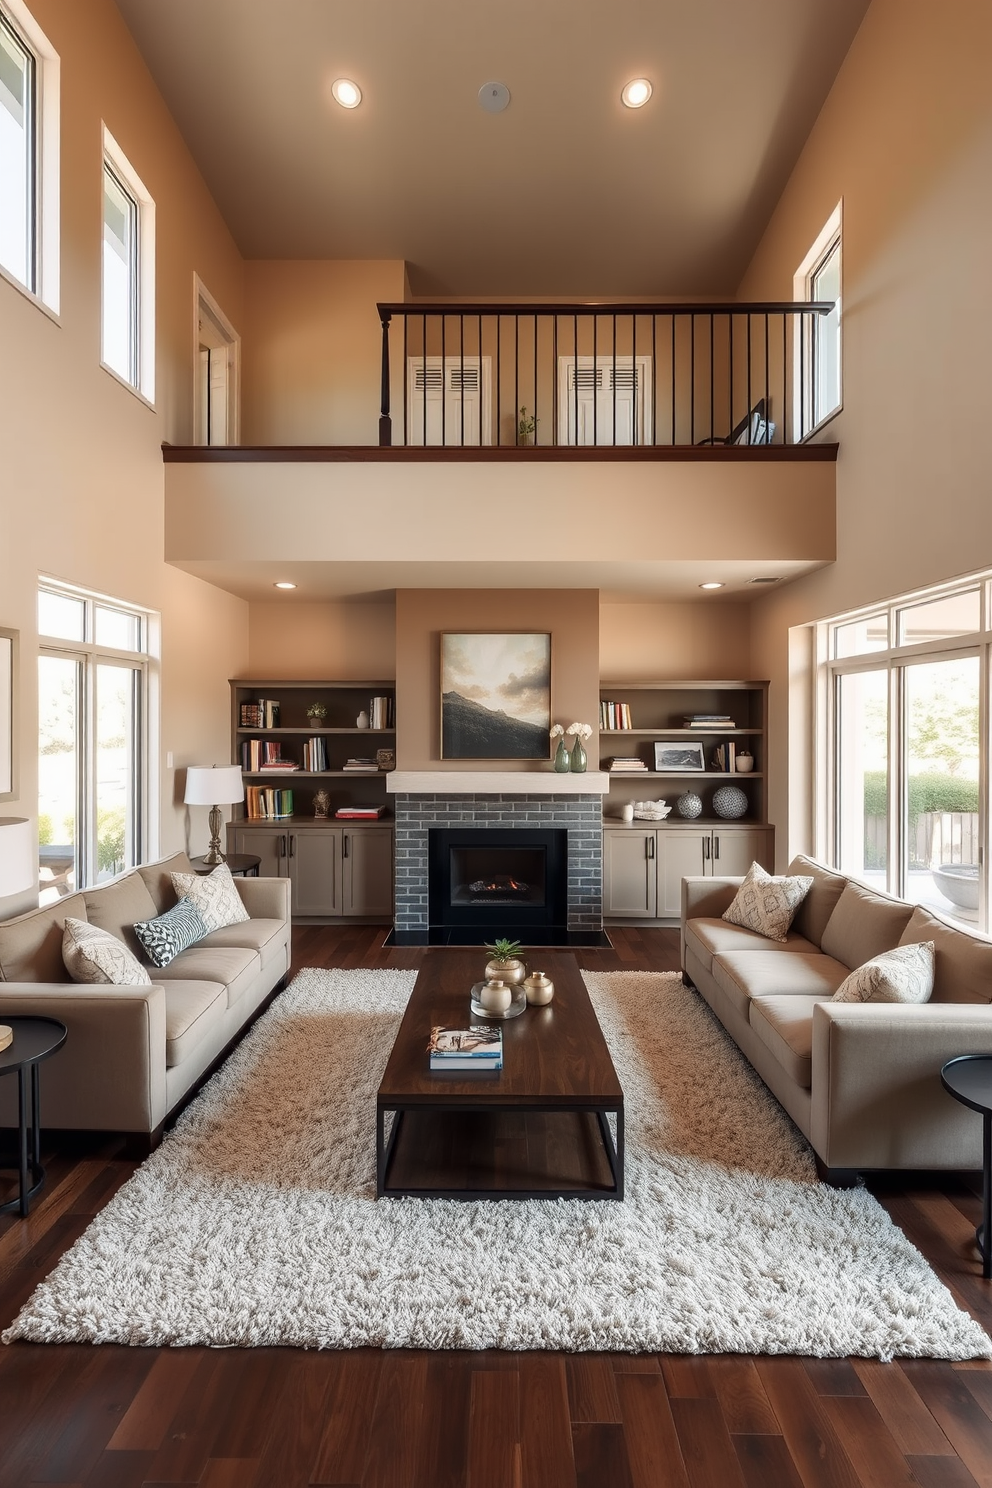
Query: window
[
  {"x": 128, "y": 310},
  {"x": 29, "y": 151},
  {"x": 93, "y": 681},
  {"x": 818, "y": 344},
  {"x": 908, "y": 707}
]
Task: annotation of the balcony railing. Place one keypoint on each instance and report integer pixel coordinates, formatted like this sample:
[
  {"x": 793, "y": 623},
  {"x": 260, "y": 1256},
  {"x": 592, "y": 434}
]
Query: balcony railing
[{"x": 586, "y": 375}]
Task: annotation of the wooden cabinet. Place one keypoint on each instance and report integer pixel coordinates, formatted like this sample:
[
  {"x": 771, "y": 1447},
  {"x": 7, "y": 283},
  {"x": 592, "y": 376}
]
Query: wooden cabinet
[
  {"x": 630, "y": 879},
  {"x": 335, "y": 871},
  {"x": 315, "y": 872},
  {"x": 367, "y": 871},
  {"x": 643, "y": 866}
]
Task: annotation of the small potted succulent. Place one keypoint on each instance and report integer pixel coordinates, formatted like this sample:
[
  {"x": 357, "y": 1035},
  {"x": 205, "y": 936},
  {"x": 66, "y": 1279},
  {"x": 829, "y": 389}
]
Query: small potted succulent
[
  {"x": 316, "y": 713},
  {"x": 527, "y": 427},
  {"x": 505, "y": 964}
]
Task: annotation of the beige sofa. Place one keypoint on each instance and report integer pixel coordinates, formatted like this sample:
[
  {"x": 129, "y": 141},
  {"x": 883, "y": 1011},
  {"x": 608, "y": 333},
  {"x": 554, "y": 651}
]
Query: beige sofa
[
  {"x": 861, "y": 1080},
  {"x": 133, "y": 1052}
]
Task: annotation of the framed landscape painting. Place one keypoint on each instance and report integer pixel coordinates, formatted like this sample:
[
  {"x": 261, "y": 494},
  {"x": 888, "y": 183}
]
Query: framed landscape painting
[
  {"x": 496, "y": 697},
  {"x": 678, "y": 759}
]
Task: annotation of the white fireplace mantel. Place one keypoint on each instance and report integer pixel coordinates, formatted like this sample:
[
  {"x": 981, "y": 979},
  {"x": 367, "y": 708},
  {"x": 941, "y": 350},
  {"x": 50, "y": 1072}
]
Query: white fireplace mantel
[{"x": 496, "y": 783}]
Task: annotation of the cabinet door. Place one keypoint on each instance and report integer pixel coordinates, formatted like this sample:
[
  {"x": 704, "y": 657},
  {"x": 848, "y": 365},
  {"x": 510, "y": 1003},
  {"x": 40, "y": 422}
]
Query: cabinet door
[
  {"x": 630, "y": 884},
  {"x": 314, "y": 867},
  {"x": 271, "y": 844},
  {"x": 681, "y": 854},
  {"x": 736, "y": 848},
  {"x": 367, "y": 871}
]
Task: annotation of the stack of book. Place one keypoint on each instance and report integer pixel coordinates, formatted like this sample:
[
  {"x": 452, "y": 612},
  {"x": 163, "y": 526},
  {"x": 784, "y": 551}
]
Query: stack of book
[
  {"x": 359, "y": 813},
  {"x": 357, "y": 766},
  {"x": 725, "y": 757},
  {"x": 614, "y": 716},
  {"x": 263, "y": 803},
  {"x": 315, "y": 755},
  {"x": 381, "y": 713},
  {"x": 715, "y": 722},
  {"x": 621, "y": 763},
  {"x": 272, "y": 757},
  {"x": 479, "y": 1048},
  {"x": 262, "y": 714}
]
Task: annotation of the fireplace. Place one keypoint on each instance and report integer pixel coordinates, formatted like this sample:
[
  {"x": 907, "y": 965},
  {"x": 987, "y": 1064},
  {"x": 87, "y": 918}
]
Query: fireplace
[{"x": 487, "y": 882}]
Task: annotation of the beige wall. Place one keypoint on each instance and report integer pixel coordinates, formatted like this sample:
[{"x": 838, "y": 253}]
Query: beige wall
[
  {"x": 312, "y": 350},
  {"x": 570, "y": 615},
  {"x": 82, "y": 490},
  {"x": 333, "y": 641},
  {"x": 905, "y": 139},
  {"x": 688, "y": 641}
]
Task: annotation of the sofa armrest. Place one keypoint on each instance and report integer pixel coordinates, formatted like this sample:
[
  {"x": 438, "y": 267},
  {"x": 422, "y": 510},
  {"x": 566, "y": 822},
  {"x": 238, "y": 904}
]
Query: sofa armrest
[
  {"x": 109, "y": 1074},
  {"x": 707, "y": 898},
  {"x": 265, "y": 898},
  {"x": 877, "y": 1100}
]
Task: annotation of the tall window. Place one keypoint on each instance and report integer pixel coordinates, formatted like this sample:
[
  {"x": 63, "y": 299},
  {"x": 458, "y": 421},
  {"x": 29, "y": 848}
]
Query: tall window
[
  {"x": 128, "y": 318},
  {"x": 817, "y": 354},
  {"x": 28, "y": 154},
  {"x": 908, "y": 705},
  {"x": 93, "y": 669}
]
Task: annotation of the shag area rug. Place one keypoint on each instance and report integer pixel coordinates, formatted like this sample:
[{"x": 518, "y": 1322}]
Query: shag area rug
[{"x": 256, "y": 1223}]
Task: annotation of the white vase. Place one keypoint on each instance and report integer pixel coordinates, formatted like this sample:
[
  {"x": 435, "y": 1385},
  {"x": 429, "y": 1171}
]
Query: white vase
[
  {"x": 362, "y": 721},
  {"x": 495, "y": 997}
]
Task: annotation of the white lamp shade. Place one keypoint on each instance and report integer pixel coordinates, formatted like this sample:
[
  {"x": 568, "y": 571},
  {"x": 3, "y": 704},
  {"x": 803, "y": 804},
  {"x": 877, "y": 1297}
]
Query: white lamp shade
[
  {"x": 18, "y": 859},
  {"x": 213, "y": 785}
]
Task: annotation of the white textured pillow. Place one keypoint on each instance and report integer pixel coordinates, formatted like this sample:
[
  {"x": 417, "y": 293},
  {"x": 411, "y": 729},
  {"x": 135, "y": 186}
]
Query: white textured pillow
[
  {"x": 94, "y": 955},
  {"x": 766, "y": 904},
  {"x": 904, "y": 974},
  {"x": 214, "y": 895}
]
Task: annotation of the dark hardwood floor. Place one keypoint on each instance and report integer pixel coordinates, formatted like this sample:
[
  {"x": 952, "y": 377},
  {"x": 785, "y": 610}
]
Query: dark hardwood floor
[{"x": 228, "y": 1418}]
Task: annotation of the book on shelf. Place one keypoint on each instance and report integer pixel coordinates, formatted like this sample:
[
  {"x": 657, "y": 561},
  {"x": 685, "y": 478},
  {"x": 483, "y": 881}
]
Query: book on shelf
[
  {"x": 315, "y": 755},
  {"x": 620, "y": 763},
  {"x": 381, "y": 715},
  {"x": 476, "y": 1048},
  {"x": 361, "y": 766},
  {"x": 263, "y": 713},
  {"x": 725, "y": 757},
  {"x": 359, "y": 813},
  {"x": 614, "y": 716},
  {"x": 708, "y": 720},
  {"x": 268, "y": 803}
]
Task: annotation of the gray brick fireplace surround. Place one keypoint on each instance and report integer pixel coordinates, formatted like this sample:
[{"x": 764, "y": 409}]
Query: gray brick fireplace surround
[{"x": 580, "y": 815}]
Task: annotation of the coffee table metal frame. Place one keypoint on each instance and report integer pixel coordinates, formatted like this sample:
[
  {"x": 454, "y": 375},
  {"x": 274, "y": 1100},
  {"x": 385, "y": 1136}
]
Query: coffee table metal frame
[
  {"x": 39, "y": 1038},
  {"x": 979, "y": 1100}
]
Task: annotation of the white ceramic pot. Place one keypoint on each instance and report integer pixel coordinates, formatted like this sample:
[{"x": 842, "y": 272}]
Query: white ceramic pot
[
  {"x": 539, "y": 989},
  {"x": 495, "y": 996},
  {"x": 509, "y": 972},
  {"x": 744, "y": 764}
]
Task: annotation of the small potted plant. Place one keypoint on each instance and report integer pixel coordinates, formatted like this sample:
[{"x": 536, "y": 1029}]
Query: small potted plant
[
  {"x": 527, "y": 427},
  {"x": 316, "y": 713},
  {"x": 505, "y": 964},
  {"x": 562, "y": 761}
]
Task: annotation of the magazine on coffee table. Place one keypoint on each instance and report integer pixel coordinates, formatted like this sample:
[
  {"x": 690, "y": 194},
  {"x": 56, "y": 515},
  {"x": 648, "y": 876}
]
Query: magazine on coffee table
[{"x": 477, "y": 1048}]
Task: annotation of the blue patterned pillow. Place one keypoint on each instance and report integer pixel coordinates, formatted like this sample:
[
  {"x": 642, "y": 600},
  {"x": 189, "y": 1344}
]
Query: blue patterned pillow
[{"x": 163, "y": 938}]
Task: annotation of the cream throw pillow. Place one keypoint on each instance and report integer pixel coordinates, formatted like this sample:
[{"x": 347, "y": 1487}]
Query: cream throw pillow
[
  {"x": 94, "y": 955},
  {"x": 904, "y": 974},
  {"x": 766, "y": 904},
  {"x": 214, "y": 895}
]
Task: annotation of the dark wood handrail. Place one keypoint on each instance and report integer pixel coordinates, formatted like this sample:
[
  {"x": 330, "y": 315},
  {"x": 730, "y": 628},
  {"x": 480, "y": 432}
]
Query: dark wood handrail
[
  {"x": 608, "y": 307},
  {"x": 421, "y": 454}
]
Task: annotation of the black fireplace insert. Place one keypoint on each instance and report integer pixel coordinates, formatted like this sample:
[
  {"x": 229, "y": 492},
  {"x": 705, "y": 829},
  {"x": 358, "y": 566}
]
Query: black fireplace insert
[{"x": 500, "y": 881}]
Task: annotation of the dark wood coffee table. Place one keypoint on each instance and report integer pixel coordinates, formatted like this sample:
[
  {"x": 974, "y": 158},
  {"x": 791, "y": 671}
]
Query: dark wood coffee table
[{"x": 536, "y": 1130}]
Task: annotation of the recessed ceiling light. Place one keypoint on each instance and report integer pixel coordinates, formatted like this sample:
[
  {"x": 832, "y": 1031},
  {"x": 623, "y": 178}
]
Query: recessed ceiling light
[
  {"x": 713, "y": 584},
  {"x": 636, "y": 93},
  {"x": 284, "y": 584},
  {"x": 347, "y": 93},
  {"x": 494, "y": 97}
]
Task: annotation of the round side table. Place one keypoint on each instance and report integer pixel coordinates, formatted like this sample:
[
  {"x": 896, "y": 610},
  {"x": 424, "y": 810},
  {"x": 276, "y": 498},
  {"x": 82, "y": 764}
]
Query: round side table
[
  {"x": 244, "y": 863},
  {"x": 969, "y": 1079},
  {"x": 34, "y": 1040}
]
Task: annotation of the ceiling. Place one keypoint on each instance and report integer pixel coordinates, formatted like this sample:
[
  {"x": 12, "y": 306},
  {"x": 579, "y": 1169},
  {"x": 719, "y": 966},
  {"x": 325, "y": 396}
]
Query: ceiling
[{"x": 566, "y": 193}]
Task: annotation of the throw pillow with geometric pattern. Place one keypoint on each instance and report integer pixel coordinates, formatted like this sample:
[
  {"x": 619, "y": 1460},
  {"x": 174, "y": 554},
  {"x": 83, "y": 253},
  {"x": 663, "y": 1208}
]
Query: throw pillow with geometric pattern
[
  {"x": 95, "y": 956},
  {"x": 767, "y": 904},
  {"x": 904, "y": 974},
  {"x": 168, "y": 934},
  {"x": 214, "y": 895}
]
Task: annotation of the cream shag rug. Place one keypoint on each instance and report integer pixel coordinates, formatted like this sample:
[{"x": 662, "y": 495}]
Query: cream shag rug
[{"x": 255, "y": 1222}]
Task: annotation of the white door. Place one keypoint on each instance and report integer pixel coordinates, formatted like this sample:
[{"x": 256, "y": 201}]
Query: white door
[
  {"x": 216, "y": 390},
  {"x": 604, "y": 402},
  {"x": 450, "y": 402}
]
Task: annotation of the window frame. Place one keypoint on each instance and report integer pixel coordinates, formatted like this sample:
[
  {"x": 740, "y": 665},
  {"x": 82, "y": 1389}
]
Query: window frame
[
  {"x": 142, "y": 288},
  {"x": 828, "y": 241},
  {"x": 44, "y": 288}
]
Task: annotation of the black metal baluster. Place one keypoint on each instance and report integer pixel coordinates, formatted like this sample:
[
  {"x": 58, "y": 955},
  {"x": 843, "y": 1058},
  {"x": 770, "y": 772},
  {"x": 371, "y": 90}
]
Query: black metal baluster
[
  {"x": 785, "y": 366},
  {"x": 575, "y": 375},
  {"x": 595, "y": 385},
  {"x": 614, "y": 378},
  {"x": 749, "y": 377},
  {"x": 654, "y": 378},
  {"x": 712, "y": 371},
  {"x": 444, "y": 379},
  {"x": 730, "y": 319},
  {"x": 766, "y": 364},
  {"x": 499, "y": 378},
  {"x": 480, "y": 379},
  {"x": 406, "y": 379},
  {"x": 385, "y": 422},
  {"x": 555, "y": 431},
  {"x": 423, "y": 373},
  {"x": 692, "y": 379},
  {"x": 536, "y": 436},
  {"x": 516, "y": 377},
  {"x": 674, "y": 439},
  {"x": 802, "y": 381},
  {"x": 461, "y": 374},
  {"x": 633, "y": 377}
]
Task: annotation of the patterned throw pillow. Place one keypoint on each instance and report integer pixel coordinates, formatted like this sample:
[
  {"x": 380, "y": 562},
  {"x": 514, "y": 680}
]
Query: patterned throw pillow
[
  {"x": 904, "y": 974},
  {"x": 94, "y": 955},
  {"x": 164, "y": 937},
  {"x": 766, "y": 904},
  {"x": 214, "y": 895}
]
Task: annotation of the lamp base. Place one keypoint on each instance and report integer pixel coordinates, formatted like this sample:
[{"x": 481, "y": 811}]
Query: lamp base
[{"x": 213, "y": 854}]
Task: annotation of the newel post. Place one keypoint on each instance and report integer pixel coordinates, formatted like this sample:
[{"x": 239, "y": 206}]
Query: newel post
[{"x": 385, "y": 422}]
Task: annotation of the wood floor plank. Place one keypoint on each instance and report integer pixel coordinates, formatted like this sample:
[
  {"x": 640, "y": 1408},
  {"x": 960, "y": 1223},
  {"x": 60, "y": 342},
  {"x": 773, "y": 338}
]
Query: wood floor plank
[
  {"x": 241, "y": 1429},
  {"x": 344, "y": 1441},
  {"x": 833, "y": 1377},
  {"x": 600, "y": 1456},
  {"x": 940, "y": 1472},
  {"x": 957, "y": 1412},
  {"x": 708, "y": 1452},
  {"x": 766, "y": 1462},
  {"x": 393, "y": 1447},
  {"x": 592, "y": 1391},
  {"x": 295, "y": 1418},
  {"x": 980, "y": 1385},
  {"x": 228, "y": 1472},
  {"x": 904, "y": 1413},
  {"x": 742, "y": 1397},
  {"x": 687, "y": 1377},
  {"x": 809, "y": 1434},
  {"x": 636, "y": 1364},
  {"x": 185, "y": 1448},
  {"x": 653, "y": 1451},
  {"x": 546, "y": 1454},
  {"x": 78, "y": 1431},
  {"x": 120, "y": 1470},
  {"x": 873, "y": 1452},
  {"x": 143, "y": 1425},
  {"x": 494, "y": 1459},
  {"x": 443, "y": 1458}
]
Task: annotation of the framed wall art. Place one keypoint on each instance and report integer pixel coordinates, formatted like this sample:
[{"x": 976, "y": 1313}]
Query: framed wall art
[
  {"x": 495, "y": 696},
  {"x": 678, "y": 759}
]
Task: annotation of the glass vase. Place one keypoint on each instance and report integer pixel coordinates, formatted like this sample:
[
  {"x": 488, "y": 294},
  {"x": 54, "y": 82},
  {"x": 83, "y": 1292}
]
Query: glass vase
[
  {"x": 562, "y": 762},
  {"x": 578, "y": 757}
]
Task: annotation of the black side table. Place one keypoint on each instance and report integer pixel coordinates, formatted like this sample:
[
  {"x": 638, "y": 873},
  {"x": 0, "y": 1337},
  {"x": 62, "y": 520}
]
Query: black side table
[
  {"x": 34, "y": 1040},
  {"x": 244, "y": 863},
  {"x": 969, "y": 1079}
]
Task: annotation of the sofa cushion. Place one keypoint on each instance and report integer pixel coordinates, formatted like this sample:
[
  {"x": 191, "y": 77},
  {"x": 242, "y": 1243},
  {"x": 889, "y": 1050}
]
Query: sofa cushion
[
  {"x": 785, "y": 1026},
  {"x": 167, "y": 934},
  {"x": 158, "y": 879},
  {"x": 767, "y": 904},
  {"x": 215, "y": 896},
  {"x": 821, "y": 901},
  {"x": 904, "y": 974},
  {"x": 709, "y": 938},
  {"x": 31, "y": 944},
  {"x": 863, "y": 925},
  {"x": 115, "y": 906},
  {"x": 192, "y": 1010},
  {"x": 962, "y": 958},
  {"x": 743, "y": 975},
  {"x": 234, "y": 966},
  {"x": 99, "y": 956},
  {"x": 267, "y": 937}
]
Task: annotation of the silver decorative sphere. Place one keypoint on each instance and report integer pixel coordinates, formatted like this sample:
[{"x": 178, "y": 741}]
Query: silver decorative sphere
[
  {"x": 689, "y": 805},
  {"x": 729, "y": 802}
]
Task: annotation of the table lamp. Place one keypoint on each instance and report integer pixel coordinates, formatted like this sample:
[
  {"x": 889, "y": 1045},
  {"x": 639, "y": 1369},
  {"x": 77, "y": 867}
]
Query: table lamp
[
  {"x": 214, "y": 786},
  {"x": 18, "y": 866}
]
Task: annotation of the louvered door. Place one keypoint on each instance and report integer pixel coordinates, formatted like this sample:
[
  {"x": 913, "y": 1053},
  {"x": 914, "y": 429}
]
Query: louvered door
[
  {"x": 604, "y": 401},
  {"x": 449, "y": 402}
]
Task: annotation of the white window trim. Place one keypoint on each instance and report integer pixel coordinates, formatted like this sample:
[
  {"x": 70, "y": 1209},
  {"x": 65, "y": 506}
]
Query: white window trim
[
  {"x": 46, "y": 293},
  {"x": 802, "y": 370},
  {"x": 145, "y": 388}
]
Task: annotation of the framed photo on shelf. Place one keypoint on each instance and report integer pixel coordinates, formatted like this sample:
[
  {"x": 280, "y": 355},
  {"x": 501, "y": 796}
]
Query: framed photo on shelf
[
  {"x": 496, "y": 696},
  {"x": 678, "y": 759}
]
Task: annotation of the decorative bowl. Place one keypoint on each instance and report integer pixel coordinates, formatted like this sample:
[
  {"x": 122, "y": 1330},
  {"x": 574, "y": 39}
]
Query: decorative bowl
[{"x": 517, "y": 1006}]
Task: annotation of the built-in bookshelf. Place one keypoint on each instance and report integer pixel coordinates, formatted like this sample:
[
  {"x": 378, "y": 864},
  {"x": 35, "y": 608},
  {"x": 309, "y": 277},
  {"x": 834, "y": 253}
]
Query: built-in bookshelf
[{"x": 287, "y": 756}]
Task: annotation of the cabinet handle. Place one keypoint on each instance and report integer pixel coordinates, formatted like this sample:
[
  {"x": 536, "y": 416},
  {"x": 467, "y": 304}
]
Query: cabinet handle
[
  {"x": 282, "y": 845},
  {"x": 706, "y": 849},
  {"x": 716, "y": 847},
  {"x": 292, "y": 845},
  {"x": 344, "y": 845},
  {"x": 649, "y": 847}
]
